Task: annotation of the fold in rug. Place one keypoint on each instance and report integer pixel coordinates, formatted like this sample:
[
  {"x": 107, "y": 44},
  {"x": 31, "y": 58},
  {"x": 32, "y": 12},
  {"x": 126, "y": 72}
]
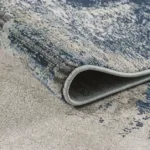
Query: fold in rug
[{"x": 82, "y": 50}]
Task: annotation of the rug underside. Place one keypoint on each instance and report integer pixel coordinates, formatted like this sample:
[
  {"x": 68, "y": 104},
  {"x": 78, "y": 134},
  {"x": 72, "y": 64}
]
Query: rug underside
[{"x": 89, "y": 83}]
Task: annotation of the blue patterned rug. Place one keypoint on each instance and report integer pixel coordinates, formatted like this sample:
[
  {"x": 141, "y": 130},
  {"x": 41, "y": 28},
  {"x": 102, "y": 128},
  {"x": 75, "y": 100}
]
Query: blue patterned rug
[{"x": 81, "y": 50}]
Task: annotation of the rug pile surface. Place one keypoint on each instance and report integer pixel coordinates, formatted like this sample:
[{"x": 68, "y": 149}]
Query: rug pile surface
[{"x": 58, "y": 37}]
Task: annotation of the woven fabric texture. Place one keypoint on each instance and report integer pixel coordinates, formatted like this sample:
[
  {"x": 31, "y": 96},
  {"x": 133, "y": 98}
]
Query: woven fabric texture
[{"x": 60, "y": 36}]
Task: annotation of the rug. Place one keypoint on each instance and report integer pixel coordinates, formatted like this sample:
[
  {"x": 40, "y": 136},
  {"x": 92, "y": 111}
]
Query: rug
[{"x": 81, "y": 51}]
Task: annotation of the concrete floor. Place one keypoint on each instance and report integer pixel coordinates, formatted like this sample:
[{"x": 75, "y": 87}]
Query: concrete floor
[{"x": 31, "y": 118}]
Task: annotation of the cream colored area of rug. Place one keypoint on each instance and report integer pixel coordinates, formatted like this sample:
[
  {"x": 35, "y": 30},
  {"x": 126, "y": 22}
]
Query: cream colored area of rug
[{"x": 31, "y": 118}]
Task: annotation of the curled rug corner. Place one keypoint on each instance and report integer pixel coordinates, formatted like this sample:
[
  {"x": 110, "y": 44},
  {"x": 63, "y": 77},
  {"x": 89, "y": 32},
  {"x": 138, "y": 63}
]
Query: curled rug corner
[{"x": 89, "y": 83}]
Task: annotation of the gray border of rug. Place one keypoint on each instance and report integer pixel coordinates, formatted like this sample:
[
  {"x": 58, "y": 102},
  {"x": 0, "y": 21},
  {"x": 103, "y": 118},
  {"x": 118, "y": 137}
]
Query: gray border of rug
[{"x": 145, "y": 74}]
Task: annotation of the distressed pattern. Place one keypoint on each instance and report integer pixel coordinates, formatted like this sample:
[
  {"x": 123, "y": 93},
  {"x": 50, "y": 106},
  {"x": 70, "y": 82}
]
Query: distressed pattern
[{"x": 62, "y": 35}]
